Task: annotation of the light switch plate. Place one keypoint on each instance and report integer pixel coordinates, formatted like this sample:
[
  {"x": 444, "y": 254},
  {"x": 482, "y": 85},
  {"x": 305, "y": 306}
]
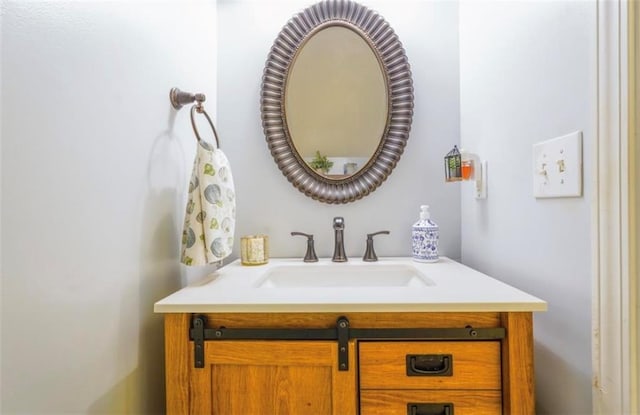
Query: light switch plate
[{"x": 557, "y": 167}]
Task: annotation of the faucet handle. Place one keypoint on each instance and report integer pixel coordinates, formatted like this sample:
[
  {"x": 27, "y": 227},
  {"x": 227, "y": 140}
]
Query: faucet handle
[
  {"x": 370, "y": 254},
  {"x": 310, "y": 256}
]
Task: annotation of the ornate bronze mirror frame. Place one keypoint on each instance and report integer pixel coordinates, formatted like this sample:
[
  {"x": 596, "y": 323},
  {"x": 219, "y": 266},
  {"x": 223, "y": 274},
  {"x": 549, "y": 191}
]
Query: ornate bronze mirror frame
[{"x": 397, "y": 74}]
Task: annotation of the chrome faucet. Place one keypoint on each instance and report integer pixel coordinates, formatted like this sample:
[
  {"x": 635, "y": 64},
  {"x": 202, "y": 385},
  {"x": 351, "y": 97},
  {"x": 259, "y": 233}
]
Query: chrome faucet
[{"x": 338, "y": 250}]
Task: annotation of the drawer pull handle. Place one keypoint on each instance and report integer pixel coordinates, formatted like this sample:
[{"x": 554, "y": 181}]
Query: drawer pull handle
[
  {"x": 429, "y": 365},
  {"x": 429, "y": 409}
]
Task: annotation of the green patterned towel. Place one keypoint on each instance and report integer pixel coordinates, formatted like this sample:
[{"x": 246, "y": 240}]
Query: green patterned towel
[{"x": 210, "y": 219}]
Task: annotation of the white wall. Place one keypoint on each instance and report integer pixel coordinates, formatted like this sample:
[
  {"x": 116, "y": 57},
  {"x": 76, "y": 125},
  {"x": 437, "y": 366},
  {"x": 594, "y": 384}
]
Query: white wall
[
  {"x": 94, "y": 168},
  {"x": 1, "y": 320},
  {"x": 528, "y": 73},
  {"x": 268, "y": 203}
]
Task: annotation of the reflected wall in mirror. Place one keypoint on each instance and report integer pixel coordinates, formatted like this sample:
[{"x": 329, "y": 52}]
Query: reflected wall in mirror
[{"x": 337, "y": 101}]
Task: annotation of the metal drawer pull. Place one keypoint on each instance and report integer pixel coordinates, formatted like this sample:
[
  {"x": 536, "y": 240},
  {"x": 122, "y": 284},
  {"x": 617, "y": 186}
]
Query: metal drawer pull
[
  {"x": 429, "y": 365},
  {"x": 429, "y": 409}
]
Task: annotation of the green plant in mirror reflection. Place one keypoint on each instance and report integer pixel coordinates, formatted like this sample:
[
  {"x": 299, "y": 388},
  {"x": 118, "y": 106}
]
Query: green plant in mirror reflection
[{"x": 321, "y": 162}]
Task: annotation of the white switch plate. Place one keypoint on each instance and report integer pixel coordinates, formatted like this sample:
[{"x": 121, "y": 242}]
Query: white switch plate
[{"x": 557, "y": 167}]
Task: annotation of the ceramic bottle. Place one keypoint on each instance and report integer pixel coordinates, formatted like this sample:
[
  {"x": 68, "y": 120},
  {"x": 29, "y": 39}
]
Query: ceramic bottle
[{"x": 425, "y": 235}]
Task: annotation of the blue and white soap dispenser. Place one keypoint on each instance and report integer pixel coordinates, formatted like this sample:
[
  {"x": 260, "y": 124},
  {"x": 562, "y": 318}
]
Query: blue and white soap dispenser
[{"x": 425, "y": 235}]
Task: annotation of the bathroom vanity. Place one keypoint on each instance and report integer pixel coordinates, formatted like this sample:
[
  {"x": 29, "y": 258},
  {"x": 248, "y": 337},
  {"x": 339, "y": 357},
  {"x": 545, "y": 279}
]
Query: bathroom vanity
[{"x": 391, "y": 337}]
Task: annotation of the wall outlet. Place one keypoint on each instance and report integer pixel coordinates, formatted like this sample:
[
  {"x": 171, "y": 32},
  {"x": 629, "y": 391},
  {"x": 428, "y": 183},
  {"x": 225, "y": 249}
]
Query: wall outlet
[{"x": 557, "y": 167}]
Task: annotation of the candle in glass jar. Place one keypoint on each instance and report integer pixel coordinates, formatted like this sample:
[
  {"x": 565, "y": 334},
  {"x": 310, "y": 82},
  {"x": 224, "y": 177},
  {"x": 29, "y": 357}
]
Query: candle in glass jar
[{"x": 254, "y": 249}]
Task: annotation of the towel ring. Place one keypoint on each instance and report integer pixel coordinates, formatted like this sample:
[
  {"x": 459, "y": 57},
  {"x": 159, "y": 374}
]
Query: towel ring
[
  {"x": 179, "y": 98},
  {"x": 199, "y": 108}
]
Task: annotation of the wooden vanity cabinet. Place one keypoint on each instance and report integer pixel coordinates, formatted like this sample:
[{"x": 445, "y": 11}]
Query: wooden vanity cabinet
[{"x": 302, "y": 377}]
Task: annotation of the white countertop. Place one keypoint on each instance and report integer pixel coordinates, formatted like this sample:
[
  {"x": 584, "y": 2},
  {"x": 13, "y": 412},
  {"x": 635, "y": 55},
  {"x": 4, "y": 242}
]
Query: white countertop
[{"x": 453, "y": 287}]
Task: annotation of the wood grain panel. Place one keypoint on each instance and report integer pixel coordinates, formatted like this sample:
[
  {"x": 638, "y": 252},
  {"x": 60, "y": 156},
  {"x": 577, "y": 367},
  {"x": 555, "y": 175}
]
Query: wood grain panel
[
  {"x": 345, "y": 391},
  {"x": 356, "y": 320},
  {"x": 476, "y": 365},
  {"x": 249, "y": 389},
  {"x": 394, "y": 402},
  {"x": 280, "y": 377},
  {"x": 266, "y": 352},
  {"x": 200, "y": 387},
  {"x": 517, "y": 364},
  {"x": 177, "y": 363}
]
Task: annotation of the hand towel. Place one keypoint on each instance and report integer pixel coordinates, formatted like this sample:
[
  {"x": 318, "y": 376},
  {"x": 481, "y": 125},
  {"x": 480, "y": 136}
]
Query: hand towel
[{"x": 210, "y": 218}]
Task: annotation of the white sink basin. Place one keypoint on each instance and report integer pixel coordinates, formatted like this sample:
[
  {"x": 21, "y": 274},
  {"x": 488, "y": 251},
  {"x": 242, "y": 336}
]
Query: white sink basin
[{"x": 343, "y": 275}]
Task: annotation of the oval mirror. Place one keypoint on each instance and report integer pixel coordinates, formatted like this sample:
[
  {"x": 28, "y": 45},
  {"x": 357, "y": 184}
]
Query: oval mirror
[{"x": 337, "y": 101}]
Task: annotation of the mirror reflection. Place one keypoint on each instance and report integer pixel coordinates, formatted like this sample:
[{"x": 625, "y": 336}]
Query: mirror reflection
[{"x": 336, "y": 102}]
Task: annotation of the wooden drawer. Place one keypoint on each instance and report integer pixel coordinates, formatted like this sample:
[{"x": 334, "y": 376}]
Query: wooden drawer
[
  {"x": 423, "y": 365},
  {"x": 394, "y": 402}
]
